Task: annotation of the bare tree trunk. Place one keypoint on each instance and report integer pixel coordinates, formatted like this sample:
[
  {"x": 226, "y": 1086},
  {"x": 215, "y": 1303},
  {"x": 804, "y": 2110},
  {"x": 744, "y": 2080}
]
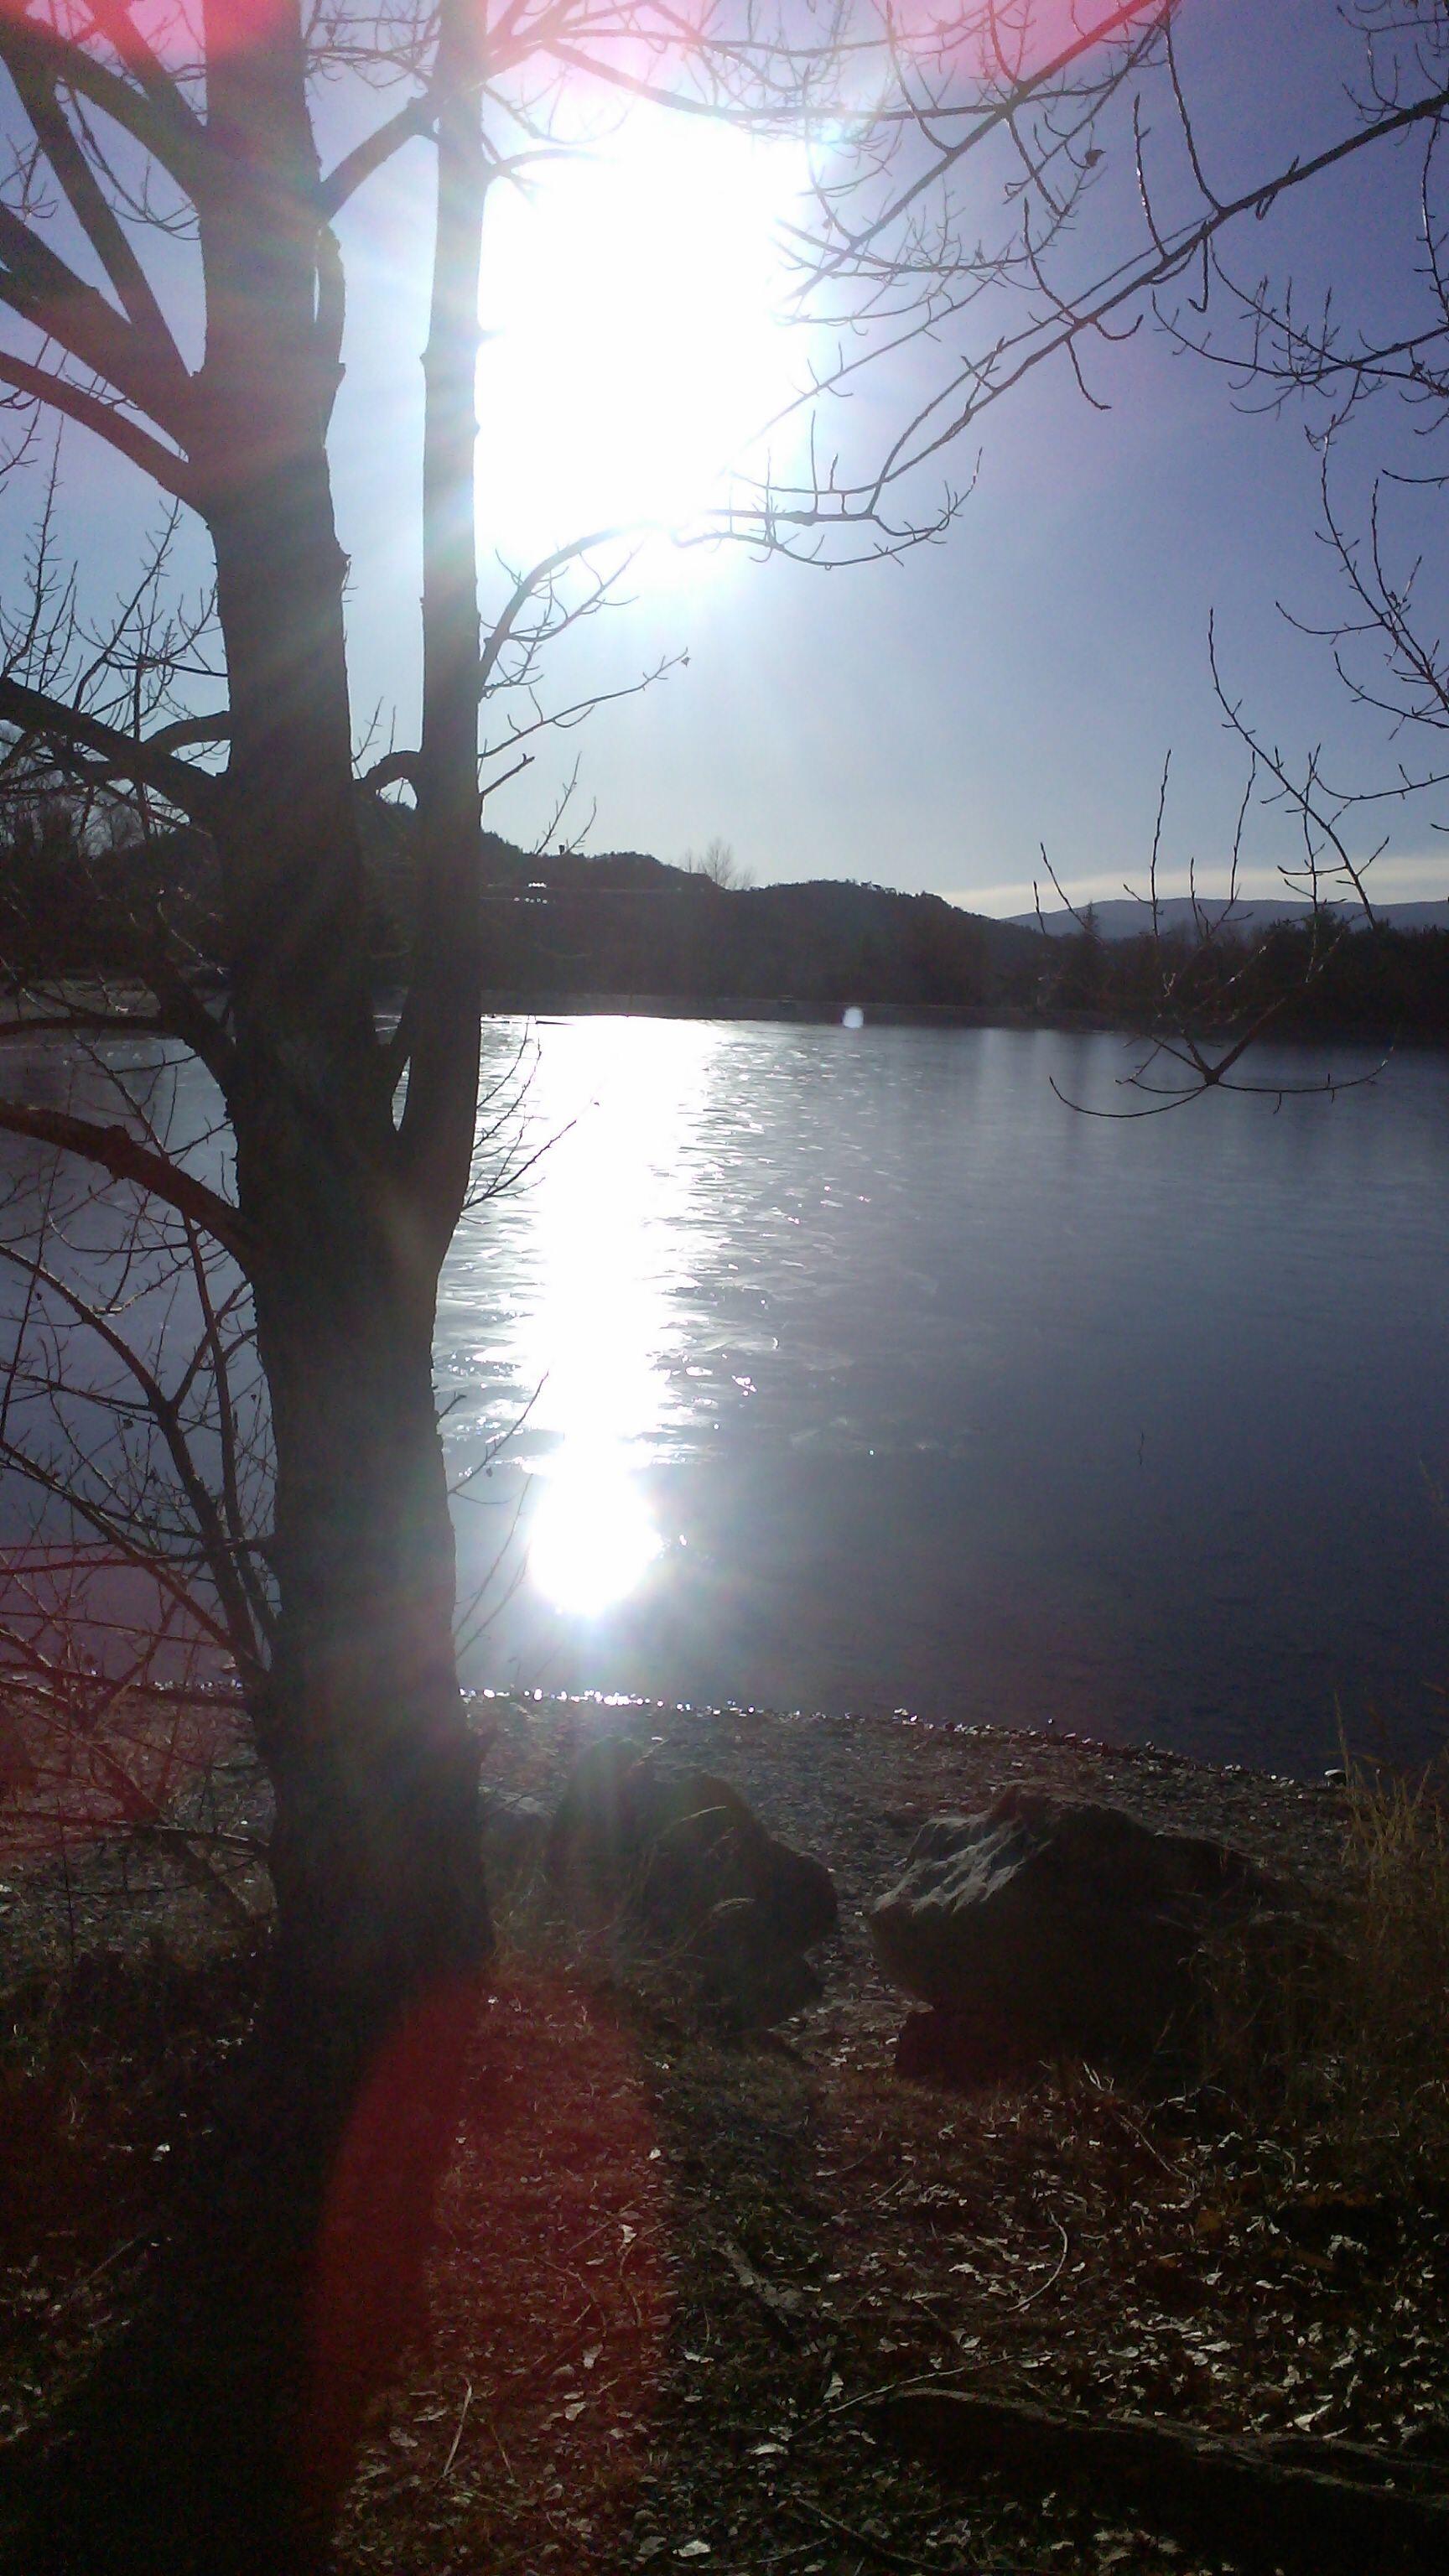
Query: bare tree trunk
[
  {"x": 377, "y": 1866},
  {"x": 376, "y": 1853},
  {"x": 302, "y": 2278},
  {"x": 438, "y": 1121},
  {"x": 291, "y": 862}
]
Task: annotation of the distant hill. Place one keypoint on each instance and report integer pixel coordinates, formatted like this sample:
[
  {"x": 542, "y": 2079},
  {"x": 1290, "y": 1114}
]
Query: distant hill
[
  {"x": 624, "y": 923},
  {"x": 1125, "y": 918},
  {"x": 627, "y": 923}
]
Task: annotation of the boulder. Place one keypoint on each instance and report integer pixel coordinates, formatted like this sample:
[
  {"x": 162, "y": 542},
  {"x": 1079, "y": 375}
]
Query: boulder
[
  {"x": 1043, "y": 1928},
  {"x": 677, "y": 1858}
]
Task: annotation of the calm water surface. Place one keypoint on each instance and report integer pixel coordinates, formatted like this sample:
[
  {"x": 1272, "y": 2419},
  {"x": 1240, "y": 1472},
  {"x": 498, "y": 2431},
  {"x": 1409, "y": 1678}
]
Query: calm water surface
[{"x": 852, "y": 1370}]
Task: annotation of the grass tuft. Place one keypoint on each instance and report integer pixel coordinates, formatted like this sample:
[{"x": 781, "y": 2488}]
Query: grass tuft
[{"x": 1341, "y": 2035}]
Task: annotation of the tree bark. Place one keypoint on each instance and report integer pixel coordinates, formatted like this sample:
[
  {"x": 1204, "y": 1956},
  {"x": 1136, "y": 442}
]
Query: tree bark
[
  {"x": 302, "y": 2281},
  {"x": 290, "y": 855},
  {"x": 440, "y": 1114},
  {"x": 376, "y": 1862},
  {"x": 376, "y": 1855}
]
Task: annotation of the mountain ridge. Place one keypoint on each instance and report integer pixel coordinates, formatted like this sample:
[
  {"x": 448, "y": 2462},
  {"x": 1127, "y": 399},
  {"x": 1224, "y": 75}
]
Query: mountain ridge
[{"x": 1129, "y": 917}]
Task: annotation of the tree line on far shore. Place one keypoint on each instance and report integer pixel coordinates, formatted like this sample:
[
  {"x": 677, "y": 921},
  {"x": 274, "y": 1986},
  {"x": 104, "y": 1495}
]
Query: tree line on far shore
[
  {"x": 1316, "y": 976},
  {"x": 77, "y": 898}
]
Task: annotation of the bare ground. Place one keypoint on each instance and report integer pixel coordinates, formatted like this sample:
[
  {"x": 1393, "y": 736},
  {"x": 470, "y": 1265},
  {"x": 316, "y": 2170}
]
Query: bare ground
[{"x": 672, "y": 2268}]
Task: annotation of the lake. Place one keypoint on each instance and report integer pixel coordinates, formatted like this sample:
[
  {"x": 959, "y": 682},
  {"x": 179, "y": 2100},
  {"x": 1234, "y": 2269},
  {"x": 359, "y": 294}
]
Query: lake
[
  {"x": 838, "y": 1369},
  {"x": 851, "y": 1369}
]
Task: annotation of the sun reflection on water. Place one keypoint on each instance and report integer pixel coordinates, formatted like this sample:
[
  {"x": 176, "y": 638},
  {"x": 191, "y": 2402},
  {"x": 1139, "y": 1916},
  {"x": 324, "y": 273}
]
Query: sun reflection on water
[
  {"x": 604, "y": 1328},
  {"x": 593, "y": 1538}
]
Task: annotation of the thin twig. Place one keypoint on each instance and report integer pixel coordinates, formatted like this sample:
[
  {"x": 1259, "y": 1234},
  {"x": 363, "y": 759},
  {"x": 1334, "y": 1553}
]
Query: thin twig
[
  {"x": 1055, "y": 2273},
  {"x": 880, "y": 2549},
  {"x": 446, "y": 2468}
]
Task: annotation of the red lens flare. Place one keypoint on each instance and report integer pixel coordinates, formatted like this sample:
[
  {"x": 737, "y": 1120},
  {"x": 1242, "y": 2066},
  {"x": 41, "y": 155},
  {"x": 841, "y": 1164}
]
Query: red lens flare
[{"x": 545, "y": 2266}]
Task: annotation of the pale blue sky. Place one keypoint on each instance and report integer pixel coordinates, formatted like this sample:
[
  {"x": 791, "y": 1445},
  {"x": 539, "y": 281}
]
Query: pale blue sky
[
  {"x": 928, "y": 723},
  {"x": 924, "y": 724}
]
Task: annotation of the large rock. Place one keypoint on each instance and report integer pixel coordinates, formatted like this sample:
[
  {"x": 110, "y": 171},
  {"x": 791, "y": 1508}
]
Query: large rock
[
  {"x": 1042, "y": 1928},
  {"x": 650, "y": 1848}
]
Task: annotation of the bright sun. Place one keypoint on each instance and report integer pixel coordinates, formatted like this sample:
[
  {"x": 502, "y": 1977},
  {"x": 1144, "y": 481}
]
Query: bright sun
[
  {"x": 592, "y": 1540},
  {"x": 634, "y": 295}
]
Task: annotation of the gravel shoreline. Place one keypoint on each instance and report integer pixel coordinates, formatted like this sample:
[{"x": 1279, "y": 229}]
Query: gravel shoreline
[{"x": 854, "y": 1790}]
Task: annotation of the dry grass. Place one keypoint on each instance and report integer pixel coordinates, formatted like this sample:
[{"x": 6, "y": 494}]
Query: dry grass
[
  {"x": 672, "y": 2267},
  {"x": 110, "y": 2075},
  {"x": 1339, "y": 2036},
  {"x": 1391, "y": 2065}
]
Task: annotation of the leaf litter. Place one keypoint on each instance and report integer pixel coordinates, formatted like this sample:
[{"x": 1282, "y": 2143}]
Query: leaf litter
[{"x": 673, "y": 2266}]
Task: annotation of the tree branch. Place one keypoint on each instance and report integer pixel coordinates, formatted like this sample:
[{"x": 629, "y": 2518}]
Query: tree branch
[
  {"x": 190, "y": 790},
  {"x": 524, "y": 589},
  {"x": 99, "y": 222},
  {"x": 116, "y": 21},
  {"x": 376, "y": 148},
  {"x": 151, "y": 109},
  {"x": 188, "y": 729},
  {"x": 217, "y": 1545},
  {"x": 91, "y": 412},
  {"x": 119, "y": 1153},
  {"x": 47, "y": 294},
  {"x": 395, "y": 769},
  {"x": 186, "y": 1016}
]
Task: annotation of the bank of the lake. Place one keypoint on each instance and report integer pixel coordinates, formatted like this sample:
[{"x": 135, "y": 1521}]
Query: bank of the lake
[
  {"x": 1385, "y": 1036},
  {"x": 673, "y": 2267}
]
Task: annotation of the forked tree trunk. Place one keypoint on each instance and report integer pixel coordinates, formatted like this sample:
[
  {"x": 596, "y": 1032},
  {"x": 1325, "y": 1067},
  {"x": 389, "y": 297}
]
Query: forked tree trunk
[
  {"x": 302, "y": 2280},
  {"x": 376, "y": 1859},
  {"x": 377, "y": 1867}
]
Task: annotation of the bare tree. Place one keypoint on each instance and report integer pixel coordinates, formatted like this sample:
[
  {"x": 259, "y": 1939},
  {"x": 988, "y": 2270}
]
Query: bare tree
[
  {"x": 1365, "y": 364},
  {"x": 1195, "y": 994},
  {"x": 1098, "y": 133},
  {"x": 1132, "y": 203},
  {"x": 717, "y": 862},
  {"x": 349, "y": 1146}
]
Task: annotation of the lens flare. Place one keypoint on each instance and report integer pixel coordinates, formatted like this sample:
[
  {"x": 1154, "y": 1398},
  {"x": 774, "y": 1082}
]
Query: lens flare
[
  {"x": 633, "y": 298},
  {"x": 593, "y": 1540}
]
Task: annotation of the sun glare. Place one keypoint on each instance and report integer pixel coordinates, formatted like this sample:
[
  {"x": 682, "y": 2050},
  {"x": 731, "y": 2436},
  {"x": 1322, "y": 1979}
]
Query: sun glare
[
  {"x": 600, "y": 1334},
  {"x": 632, "y": 293},
  {"x": 593, "y": 1540}
]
